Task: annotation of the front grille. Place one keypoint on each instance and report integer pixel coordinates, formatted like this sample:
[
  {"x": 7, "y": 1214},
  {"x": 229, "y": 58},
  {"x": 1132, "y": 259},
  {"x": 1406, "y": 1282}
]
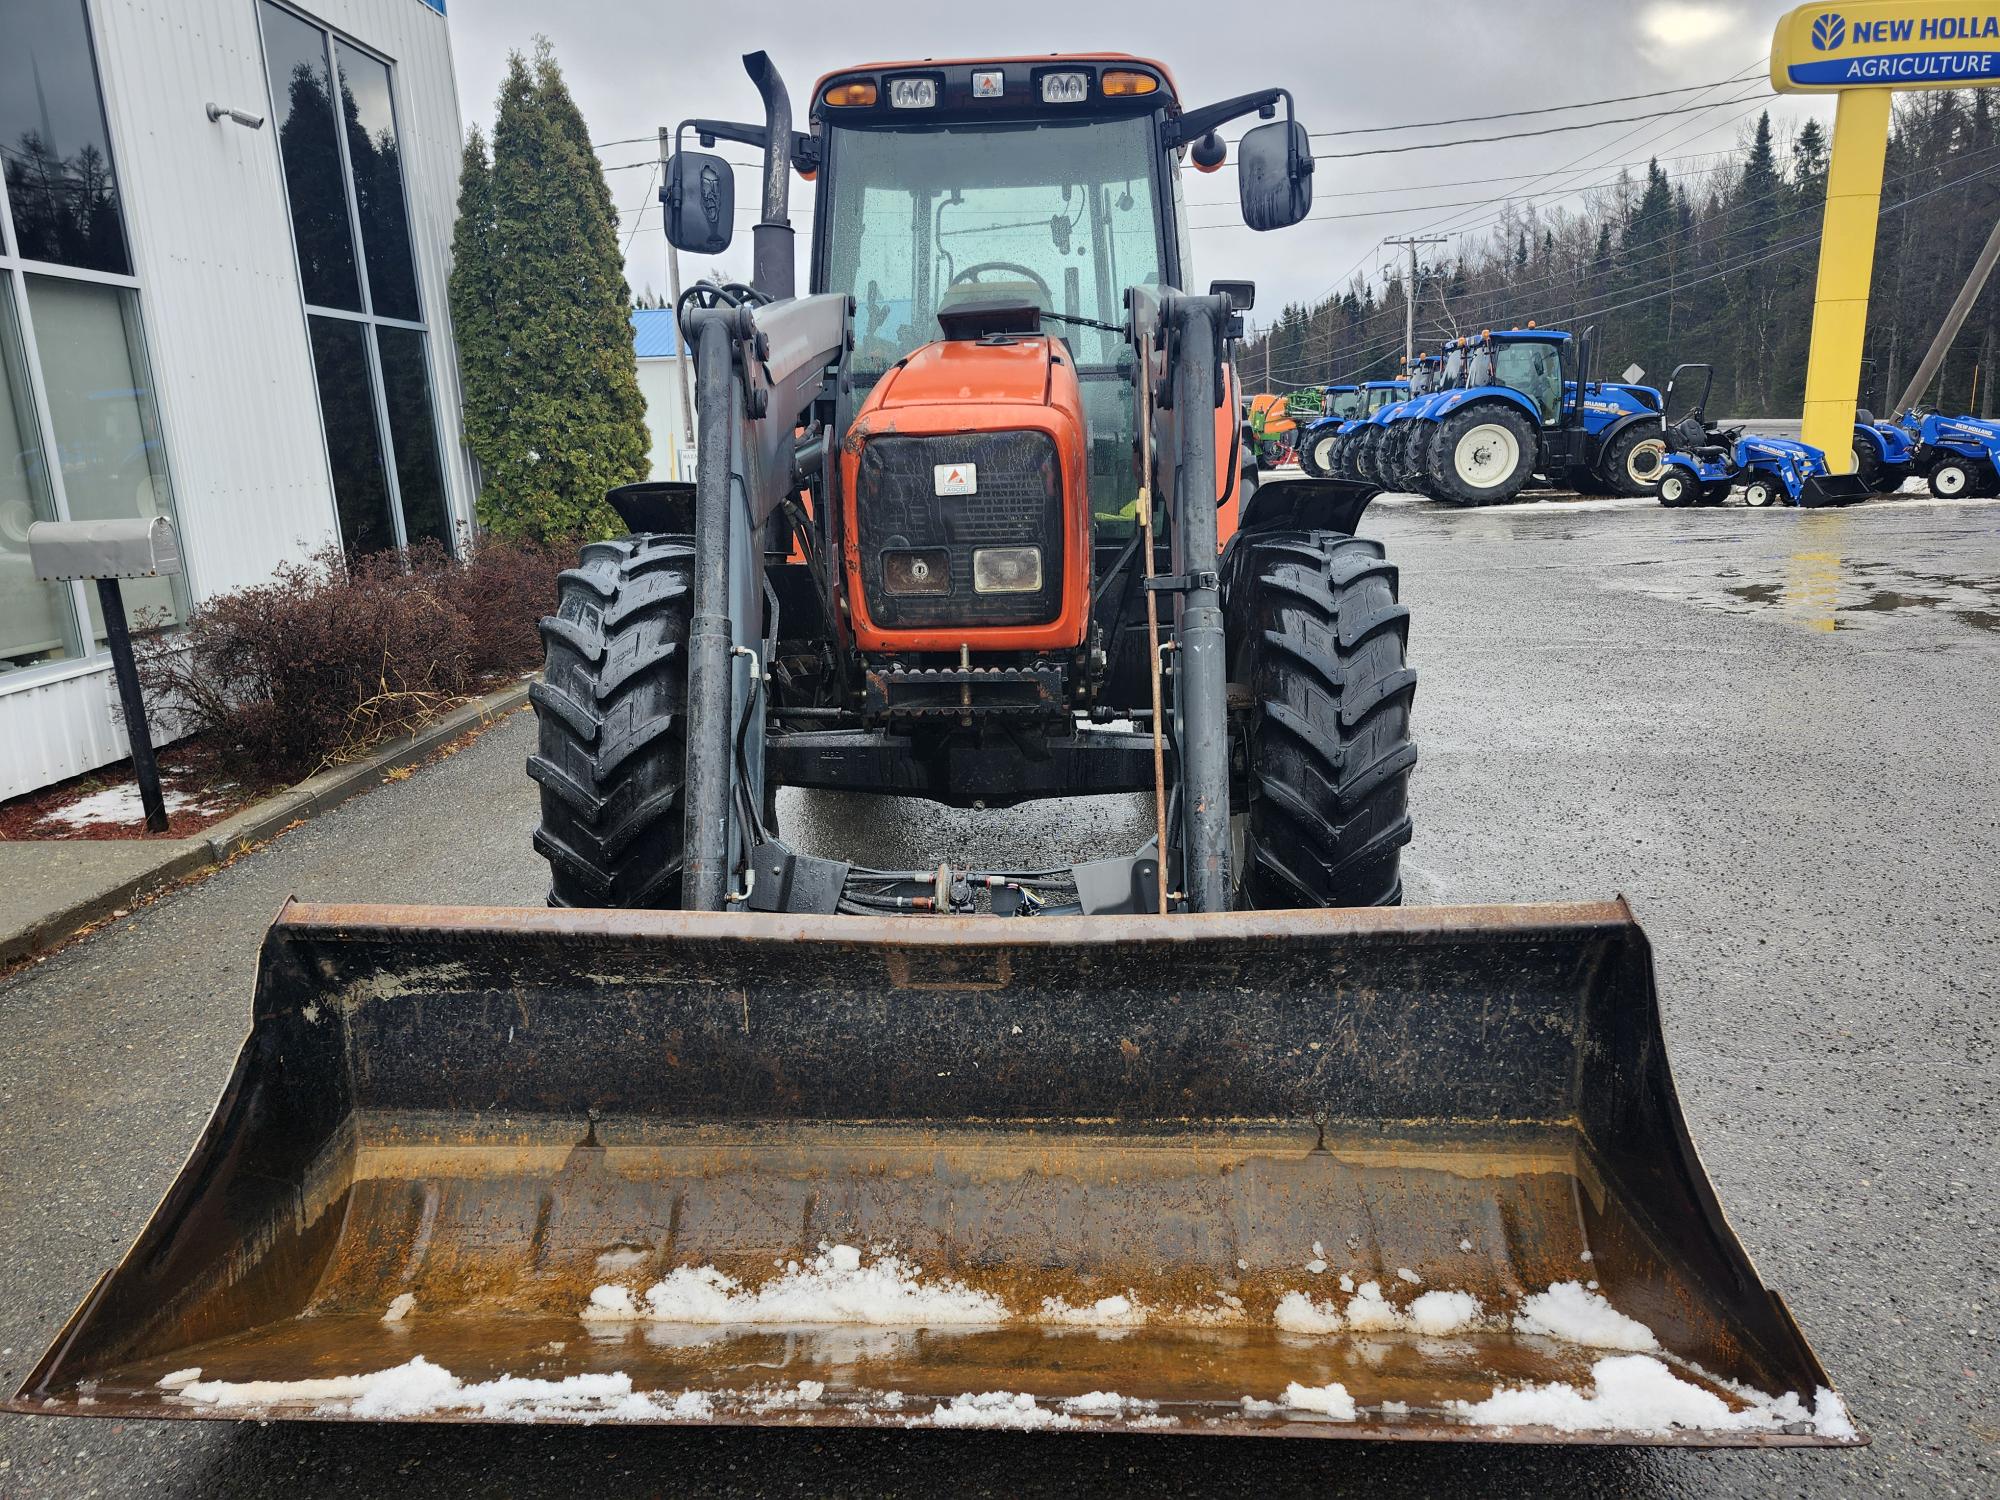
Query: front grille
[{"x": 1018, "y": 502}]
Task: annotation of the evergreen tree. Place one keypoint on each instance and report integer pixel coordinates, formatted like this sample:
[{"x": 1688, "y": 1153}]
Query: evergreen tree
[{"x": 539, "y": 297}]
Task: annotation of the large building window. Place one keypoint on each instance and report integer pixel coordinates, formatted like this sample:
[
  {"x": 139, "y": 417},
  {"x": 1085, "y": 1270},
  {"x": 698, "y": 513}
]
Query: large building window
[
  {"x": 79, "y": 431},
  {"x": 334, "y": 105}
]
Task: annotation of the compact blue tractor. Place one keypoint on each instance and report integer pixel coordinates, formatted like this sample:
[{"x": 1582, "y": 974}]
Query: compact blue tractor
[
  {"x": 1884, "y": 452},
  {"x": 1703, "y": 463},
  {"x": 1530, "y": 407},
  {"x": 1957, "y": 455}
]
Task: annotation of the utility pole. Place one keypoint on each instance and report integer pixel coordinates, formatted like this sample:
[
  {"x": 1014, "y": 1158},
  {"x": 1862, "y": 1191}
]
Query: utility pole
[
  {"x": 1410, "y": 294},
  {"x": 686, "y": 381},
  {"x": 1975, "y": 283}
]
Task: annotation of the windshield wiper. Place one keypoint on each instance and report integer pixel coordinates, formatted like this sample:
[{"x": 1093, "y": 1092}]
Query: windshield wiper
[{"x": 1118, "y": 328}]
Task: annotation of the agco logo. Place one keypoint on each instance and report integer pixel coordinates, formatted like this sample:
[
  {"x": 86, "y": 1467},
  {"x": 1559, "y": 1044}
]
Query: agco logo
[{"x": 1829, "y": 32}]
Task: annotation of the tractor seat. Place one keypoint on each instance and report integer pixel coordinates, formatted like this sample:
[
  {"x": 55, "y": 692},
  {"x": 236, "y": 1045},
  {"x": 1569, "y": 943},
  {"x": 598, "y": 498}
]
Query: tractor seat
[
  {"x": 1687, "y": 435},
  {"x": 1865, "y": 417}
]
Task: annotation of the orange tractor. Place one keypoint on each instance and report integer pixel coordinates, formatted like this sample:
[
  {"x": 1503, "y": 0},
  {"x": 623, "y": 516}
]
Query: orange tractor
[{"x": 1202, "y": 1136}]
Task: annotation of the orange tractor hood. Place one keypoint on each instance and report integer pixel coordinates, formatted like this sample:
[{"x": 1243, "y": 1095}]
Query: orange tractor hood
[{"x": 1013, "y": 383}]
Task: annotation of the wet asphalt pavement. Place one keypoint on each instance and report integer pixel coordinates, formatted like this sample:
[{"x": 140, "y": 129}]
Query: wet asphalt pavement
[{"x": 1777, "y": 733}]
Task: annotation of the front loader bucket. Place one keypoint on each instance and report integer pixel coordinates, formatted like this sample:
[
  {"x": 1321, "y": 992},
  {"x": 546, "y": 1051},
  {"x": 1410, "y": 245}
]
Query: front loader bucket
[
  {"x": 1382, "y": 1173},
  {"x": 1833, "y": 489}
]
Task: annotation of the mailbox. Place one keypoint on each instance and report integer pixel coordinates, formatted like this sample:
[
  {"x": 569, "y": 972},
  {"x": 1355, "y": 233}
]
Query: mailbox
[
  {"x": 106, "y": 551},
  {"x": 64, "y": 550}
]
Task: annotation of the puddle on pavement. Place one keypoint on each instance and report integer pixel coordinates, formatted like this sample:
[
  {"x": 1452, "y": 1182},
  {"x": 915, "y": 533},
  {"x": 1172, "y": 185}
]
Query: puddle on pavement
[{"x": 1821, "y": 589}]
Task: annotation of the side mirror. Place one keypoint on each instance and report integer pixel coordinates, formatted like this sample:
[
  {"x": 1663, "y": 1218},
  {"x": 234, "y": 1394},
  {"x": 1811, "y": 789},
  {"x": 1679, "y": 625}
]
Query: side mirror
[
  {"x": 700, "y": 202},
  {"x": 1274, "y": 175}
]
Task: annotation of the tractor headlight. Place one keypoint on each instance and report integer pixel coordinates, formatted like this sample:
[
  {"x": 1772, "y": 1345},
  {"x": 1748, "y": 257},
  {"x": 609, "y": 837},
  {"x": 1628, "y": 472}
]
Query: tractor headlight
[
  {"x": 1065, "y": 88},
  {"x": 927, "y": 571},
  {"x": 1007, "y": 570},
  {"x": 912, "y": 93}
]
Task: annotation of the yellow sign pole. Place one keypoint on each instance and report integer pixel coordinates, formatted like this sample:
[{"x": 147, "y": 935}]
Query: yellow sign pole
[
  {"x": 1846, "y": 261},
  {"x": 1863, "y": 51}
]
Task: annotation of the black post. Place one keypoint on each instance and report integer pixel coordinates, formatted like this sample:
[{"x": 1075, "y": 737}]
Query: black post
[
  {"x": 711, "y": 675},
  {"x": 772, "y": 269},
  {"x": 1201, "y": 670},
  {"x": 111, "y": 600}
]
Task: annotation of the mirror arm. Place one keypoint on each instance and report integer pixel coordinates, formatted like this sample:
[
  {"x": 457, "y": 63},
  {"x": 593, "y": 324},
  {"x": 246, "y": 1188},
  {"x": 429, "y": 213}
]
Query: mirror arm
[
  {"x": 805, "y": 148},
  {"x": 1195, "y": 123}
]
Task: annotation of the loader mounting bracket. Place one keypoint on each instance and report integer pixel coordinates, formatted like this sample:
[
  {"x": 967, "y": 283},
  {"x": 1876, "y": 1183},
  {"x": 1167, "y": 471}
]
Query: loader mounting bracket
[{"x": 789, "y": 882}]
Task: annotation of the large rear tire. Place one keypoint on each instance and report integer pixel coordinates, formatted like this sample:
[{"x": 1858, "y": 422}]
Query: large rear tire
[
  {"x": 1317, "y": 637},
  {"x": 1631, "y": 465},
  {"x": 612, "y": 755},
  {"x": 1485, "y": 455}
]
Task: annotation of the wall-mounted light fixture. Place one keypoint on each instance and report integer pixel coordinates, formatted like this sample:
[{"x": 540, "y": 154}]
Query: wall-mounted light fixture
[{"x": 240, "y": 116}]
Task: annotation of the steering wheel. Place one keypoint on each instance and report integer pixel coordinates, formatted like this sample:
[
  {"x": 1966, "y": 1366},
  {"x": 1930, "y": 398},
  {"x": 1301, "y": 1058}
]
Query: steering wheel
[
  {"x": 718, "y": 294},
  {"x": 971, "y": 274}
]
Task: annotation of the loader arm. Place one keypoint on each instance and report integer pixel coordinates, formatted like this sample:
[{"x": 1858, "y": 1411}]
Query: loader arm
[{"x": 757, "y": 369}]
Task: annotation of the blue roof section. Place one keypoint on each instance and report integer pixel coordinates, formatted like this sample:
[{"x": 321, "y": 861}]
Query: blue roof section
[{"x": 653, "y": 333}]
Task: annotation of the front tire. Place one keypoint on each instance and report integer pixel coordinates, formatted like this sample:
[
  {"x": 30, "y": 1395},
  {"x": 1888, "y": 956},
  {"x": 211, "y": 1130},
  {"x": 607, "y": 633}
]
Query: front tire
[
  {"x": 1951, "y": 478},
  {"x": 1868, "y": 465},
  {"x": 1318, "y": 638},
  {"x": 1678, "y": 489},
  {"x": 611, "y": 757},
  {"x": 1632, "y": 464},
  {"x": 1760, "y": 493},
  {"x": 1485, "y": 456}
]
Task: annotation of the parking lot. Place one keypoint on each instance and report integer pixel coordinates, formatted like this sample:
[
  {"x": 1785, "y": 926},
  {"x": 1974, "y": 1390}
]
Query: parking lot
[{"x": 1775, "y": 732}]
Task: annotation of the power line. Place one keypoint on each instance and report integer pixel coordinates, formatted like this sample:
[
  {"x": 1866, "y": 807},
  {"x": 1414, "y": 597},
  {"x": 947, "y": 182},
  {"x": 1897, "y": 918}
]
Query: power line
[
  {"x": 1743, "y": 261},
  {"x": 1514, "y": 114},
  {"x": 1521, "y": 135}
]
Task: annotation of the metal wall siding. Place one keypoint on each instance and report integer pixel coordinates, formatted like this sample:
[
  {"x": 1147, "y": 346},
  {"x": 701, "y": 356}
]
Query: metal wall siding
[{"x": 219, "y": 291}]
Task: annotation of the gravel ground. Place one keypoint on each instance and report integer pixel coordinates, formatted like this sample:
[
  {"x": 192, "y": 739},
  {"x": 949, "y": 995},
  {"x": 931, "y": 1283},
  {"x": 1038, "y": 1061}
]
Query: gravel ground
[{"x": 1774, "y": 732}]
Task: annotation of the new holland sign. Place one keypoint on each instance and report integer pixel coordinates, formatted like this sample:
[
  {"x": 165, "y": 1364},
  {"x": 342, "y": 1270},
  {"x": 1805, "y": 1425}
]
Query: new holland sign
[
  {"x": 1892, "y": 44},
  {"x": 1864, "y": 52}
]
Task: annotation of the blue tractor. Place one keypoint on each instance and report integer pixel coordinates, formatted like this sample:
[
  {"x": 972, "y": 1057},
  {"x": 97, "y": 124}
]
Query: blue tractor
[
  {"x": 1703, "y": 462},
  {"x": 1400, "y": 462},
  {"x": 1530, "y": 407},
  {"x": 1339, "y": 404},
  {"x": 1885, "y": 453},
  {"x": 1957, "y": 455},
  {"x": 1339, "y": 455}
]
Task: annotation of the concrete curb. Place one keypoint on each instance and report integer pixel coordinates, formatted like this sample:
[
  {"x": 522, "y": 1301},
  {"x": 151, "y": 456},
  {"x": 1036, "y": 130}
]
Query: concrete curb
[{"x": 241, "y": 831}]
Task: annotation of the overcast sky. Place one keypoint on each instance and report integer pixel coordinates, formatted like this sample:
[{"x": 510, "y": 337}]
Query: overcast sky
[{"x": 636, "y": 64}]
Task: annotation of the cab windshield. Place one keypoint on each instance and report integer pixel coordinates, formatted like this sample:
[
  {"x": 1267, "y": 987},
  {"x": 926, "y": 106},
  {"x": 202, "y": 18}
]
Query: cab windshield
[
  {"x": 1066, "y": 213},
  {"x": 1535, "y": 370},
  {"x": 1343, "y": 403}
]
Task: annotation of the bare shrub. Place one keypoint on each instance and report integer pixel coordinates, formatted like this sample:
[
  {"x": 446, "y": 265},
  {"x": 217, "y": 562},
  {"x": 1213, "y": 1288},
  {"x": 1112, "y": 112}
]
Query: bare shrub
[{"x": 318, "y": 664}]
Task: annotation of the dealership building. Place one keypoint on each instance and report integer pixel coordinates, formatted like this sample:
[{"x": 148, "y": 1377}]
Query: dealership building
[{"x": 225, "y": 231}]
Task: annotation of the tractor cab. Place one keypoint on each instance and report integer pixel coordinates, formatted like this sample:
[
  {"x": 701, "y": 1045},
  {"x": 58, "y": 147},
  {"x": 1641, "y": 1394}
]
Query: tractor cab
[
  {"x": 1340, "y": 401},
  {"x": 1531, "y": 361}
]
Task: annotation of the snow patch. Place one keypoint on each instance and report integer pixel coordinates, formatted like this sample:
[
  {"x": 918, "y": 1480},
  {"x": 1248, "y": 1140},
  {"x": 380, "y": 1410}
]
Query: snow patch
[
  {"x": 1105, "y": 1312},
  {"x": 1107, "y": 1404},
  {"x": 1637, "y": 1393},
  {"x": 1298, "y": 1313},
  {"x": 119, "y": 804},
  {"x": 400, "y": 1308},
  {"x": 1404, "y": 1273},
  {"x": 1330, "y": 1400},
  {"x": 1568, "y": 1311},
  {"x": 179, "y": 1378},
  {"x": 419, "y": 1388},
  {"x": 1439, "y": 1313},
  {"x": 1368, "y": 1312},
  {"x": 624, "y": 1258},
  {"x": 831, "y": 1287},
  {"x": 997, "y": 1409}
]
